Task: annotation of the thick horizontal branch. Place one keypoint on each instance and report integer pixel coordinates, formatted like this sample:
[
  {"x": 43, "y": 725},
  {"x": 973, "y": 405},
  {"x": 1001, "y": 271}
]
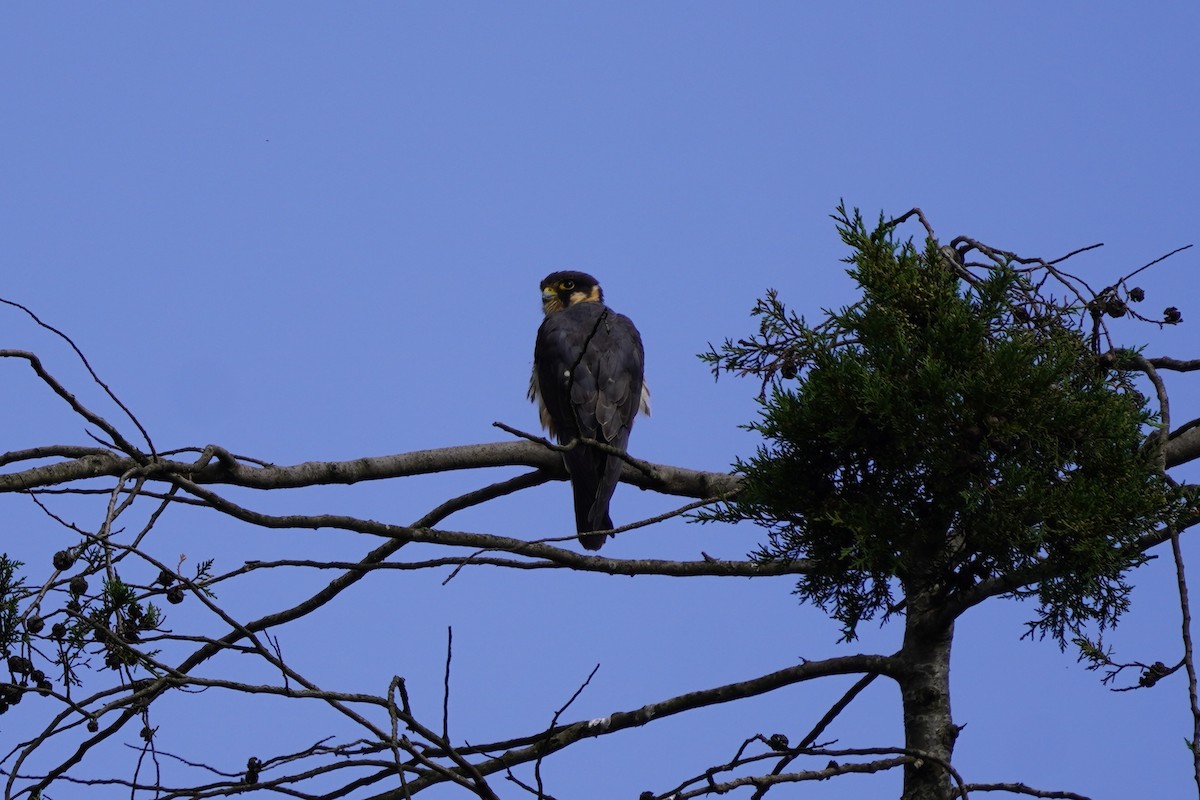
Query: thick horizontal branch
[
  {"x": 1176, "y": 364},
  {"x": 85, "y": 463},
  {"x": 226, "y": 469},
  {"x": 1183, "y": 448}
]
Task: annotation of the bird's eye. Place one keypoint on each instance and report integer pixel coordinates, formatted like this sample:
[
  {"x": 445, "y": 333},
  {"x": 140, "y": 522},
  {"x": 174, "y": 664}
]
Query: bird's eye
[{"x": 568, "y": 285}]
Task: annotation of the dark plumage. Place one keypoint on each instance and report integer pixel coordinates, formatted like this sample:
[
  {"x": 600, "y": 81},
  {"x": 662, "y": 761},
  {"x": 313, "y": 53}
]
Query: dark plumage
[{"x": 587, "y": 379}]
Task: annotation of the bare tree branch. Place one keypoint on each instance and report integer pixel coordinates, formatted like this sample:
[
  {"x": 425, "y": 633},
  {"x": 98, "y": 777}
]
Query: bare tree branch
[
  {"x": 1020, "y": 788},
  {"x": 228, "y": 470},
  {"x": 559, "y": 737},
  {"x": 86, "y": 365}
]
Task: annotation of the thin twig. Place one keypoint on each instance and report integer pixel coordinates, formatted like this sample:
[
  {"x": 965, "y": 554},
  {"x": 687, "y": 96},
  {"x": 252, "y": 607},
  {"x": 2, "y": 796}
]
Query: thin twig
[
  {"x": 537, "y": 765},
  {"x": 825, "y": 721},
  {"x": 1020, "y": 788},
  {"x": 1155, "y": 261},
  {"x": 112, "y": 395},
  {"x": 446, "y": 684}
]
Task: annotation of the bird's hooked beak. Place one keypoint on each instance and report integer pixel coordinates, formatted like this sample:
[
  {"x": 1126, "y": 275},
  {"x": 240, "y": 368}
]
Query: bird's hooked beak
[{"x": 551, "y": 302}]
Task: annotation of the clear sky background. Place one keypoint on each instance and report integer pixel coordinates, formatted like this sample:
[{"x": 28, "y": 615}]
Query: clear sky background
[{"x": 315, "y": 231}]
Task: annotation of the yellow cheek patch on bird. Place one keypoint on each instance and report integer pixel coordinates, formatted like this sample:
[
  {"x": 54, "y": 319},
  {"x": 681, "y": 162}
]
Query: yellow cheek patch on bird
[{"x": 591, "y": 296}]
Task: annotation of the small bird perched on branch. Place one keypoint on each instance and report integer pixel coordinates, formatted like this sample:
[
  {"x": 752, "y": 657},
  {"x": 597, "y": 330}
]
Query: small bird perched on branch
[{"x": 588, "y": 383}]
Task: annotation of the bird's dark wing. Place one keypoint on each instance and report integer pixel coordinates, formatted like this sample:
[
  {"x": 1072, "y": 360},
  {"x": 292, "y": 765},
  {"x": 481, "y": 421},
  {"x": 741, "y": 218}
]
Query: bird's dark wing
[{"x": 588, "y": 365}]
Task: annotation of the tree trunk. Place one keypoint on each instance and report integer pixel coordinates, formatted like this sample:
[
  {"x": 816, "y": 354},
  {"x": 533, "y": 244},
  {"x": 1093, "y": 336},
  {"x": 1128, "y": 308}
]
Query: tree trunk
[{"x": 925, "y": 691}]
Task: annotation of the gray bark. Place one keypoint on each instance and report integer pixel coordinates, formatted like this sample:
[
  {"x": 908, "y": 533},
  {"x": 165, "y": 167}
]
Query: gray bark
[{"x": 924, "y": 679}]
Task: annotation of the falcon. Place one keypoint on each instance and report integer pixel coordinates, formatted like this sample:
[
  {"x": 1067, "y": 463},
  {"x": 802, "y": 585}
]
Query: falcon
[{"x": 587, "y": 382}]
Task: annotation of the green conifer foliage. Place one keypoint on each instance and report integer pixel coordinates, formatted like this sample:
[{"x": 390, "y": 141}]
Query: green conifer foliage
[{"x": 948, "y": 430}]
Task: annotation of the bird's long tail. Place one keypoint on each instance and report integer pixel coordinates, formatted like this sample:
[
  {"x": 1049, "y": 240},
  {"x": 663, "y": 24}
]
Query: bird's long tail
[
  {"x": 593, "y": 487},
  {"x": 591, "y": 514}
]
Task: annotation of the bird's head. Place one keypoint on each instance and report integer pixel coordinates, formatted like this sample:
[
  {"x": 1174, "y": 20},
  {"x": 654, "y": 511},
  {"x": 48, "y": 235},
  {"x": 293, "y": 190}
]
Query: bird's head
[{"x": 562, "y": 289}]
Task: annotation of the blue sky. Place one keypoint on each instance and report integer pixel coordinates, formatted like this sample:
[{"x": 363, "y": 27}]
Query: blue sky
[{"x": 316, "y": 231}]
